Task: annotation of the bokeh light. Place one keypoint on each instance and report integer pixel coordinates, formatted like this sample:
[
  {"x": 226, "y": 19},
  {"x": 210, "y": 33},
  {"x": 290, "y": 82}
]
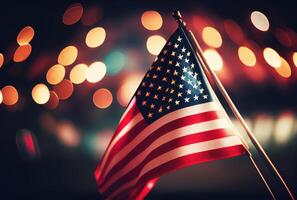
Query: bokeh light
[
  {"x": 263, "y": 128},
  {"x": 10, "y": 95},
  {"x": 212, "y": 37},
  {"x": 246, "y": 56},
  {"x": 102, "y": 98},
  {"x": 96, "y": 72},
  {"x": 25, "y": 35},
  {"x": 115, "y": 61},
  {"x": 95, "y": 37},
  {"x": 213, "y": 59},
  {"x": 234, "y": 31},
  {"x": 22, "y": 53},
  {"x": 40, "y": 93},
  {"x": 1, "y": 97},
  {"x": 155, "y": 44},
  {"x": 64, "y": 89},
  {"x": 78, "y": 73},
  {"x": 260, "y": 21},
  {"x": 27, "y": 144},
  {"x": 73, "y": 14},
  {"x": 284, "y": 70},
  {"x": 128, "y": 88},
  {"x": 295, "y": 58},
  {"x": 151, "y": 20},
  {"x": 283, "y": 127},
  {"x": 68, "y": 55},
  {"x": 67, "y": 134},
  {"x": 91, "y": 16},
  {"x": 53, "y": 101},
  {"x": 272, "y": 57},
  {"x": 1, "y": 60},
  {"x": 55, "y": 74}
]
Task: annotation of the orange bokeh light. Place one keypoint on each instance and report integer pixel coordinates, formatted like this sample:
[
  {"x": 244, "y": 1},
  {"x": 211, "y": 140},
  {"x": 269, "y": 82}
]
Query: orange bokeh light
[
  {"x": 151, "y": 20},
  {"x": 1, "y": 97},
  {"x": 212, "y": 37},
  {"x": 40, "y": 93},
  {"x": 102, "y": 98},
  {"x": 25, "y": 35},
  {"x": 53, "y": 101},
  {"x": 55, "y": 74},
  {"x": 91, "y": 16},
  {"x": 68, "y": 55},
  {"x": 1, "y": 59},
  {"x": 155, "y": 44},
  {"x": 95, "y": 37},
  {"x": 64, "y": 89},
  {"x": 246, "y": 56},
  {"x": 10, "y": 95},
  {"x": 234, "y": 31},
  {"x": 78, "y": 73},
  {"x": 73, "y": 14},
  {"x": 22, "y": 53},
  {"x": 68, "y": 134},
  {"x": 272, "y": 57},
  {"x": 295, "y": 58},
  {"x": 284, "y": 70}
]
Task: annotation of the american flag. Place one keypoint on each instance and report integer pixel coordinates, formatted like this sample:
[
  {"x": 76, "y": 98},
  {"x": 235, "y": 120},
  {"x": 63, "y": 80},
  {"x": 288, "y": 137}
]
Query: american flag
[{"x": 173, "y": 121}]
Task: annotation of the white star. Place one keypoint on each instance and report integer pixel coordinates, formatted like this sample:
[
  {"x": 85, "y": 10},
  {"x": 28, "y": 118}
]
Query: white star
[
  {"x": 184, "y": 69},
  {"x": 181, "y": 86},
  {"x": 189, "y": 91},
  {"x": 183, "y": 77},
  {"x": 195, "y": 97},
  {"x": 180, "y": 56},
  {"x": 179, "y": 94},
  {"x": 176, "y": 102},
  {"x": 192, "y": 65},
  {"x": 177, "y": 64},
  {"x": 199, "y": 83},
  {"x": 201, "y": 90},
  {"x": 175, "y": 73},
  {"x": 150, "y": 115},
  {"x": 188, "y": 53},
  {"x": 195, "y": 86},
  {"x": 204, "y": 96},
  {"x": 162, "y": 59},
  {"x": 190, "y": 73},
  {"x": 179, "y": 39},
  {"x": 170, "y": 62},
  {"x": 189, "y": 82},
  {"x": 173, "y": 53},
  {"x": 175, "y": 46},
  {"x": 187, "y": 99},
  {"x": 165, "y": 51},
  {"x": 195, "y": 75},
  {"x": 169, "y": 43},
  {"x": 183, "y": 49},
  {"x": 187, "y": 60}
]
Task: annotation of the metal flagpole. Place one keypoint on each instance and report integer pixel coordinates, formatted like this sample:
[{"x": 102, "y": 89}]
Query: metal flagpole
[{"x": 235, "y": 111}]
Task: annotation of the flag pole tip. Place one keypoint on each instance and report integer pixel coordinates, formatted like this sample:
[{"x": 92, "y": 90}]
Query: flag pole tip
[{"x": 177, "y": 16}]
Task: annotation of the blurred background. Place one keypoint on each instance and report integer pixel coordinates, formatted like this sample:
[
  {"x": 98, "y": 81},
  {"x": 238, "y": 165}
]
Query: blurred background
[{"x": 69, "y": 68}]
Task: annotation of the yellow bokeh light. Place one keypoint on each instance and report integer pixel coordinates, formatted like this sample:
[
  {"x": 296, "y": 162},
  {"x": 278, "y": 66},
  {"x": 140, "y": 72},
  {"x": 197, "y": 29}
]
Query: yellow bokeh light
[
  {"x": 68, "y": 55},
  {"x": 151, "y": 20},
  {"x": 40, "y": 93},
  {"x": 78, "y": 73},
  {"x": 25, "y": 35},
  {"x": 214, "y": 59},
  {"x": 55, "y": 74},
  {"x": 96, "y": 72},
  {"x": 260, "y": 21},
  {"x": 1, "y": 59},
  {"x": 294, "y": 59},
  {"x": 272, "y": 57},
  {"x": 10, "y": 95},
  {"x": 102, "y": 98},
  {"x": 1, "y": 97},
  {"x": 246, "y": 56},
  {"x": 283, "y": 127},
  {"x": 212, "y": 37},
  {"x": 284, "y": 70},
  {"x": 22, "y": 53},
  {"x": 95, "y": 37},
  {"x": 155, "y": 44}
]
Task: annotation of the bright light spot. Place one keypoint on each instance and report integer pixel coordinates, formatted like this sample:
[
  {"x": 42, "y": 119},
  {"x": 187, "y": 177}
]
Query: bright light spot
[
  {"x": 10, "y": 95},
  {"x": 1, "y": 97},
  {"x": 102, "y": 98},
  {"x": 214, "y": 59},
  {"x": 1, "y": 59},
  {"x": 294, "y": 59},
  {"x": 247, "y": 56},
  {"x": 78, "y": 73},
  {"x": 128, "y": 88},
  {"x": 25, "y": 35},
  {"x": 96, "y": 72},
  {"x": 95, "y": 37},
  {"x": 212, "y": 37},
  {"x": 22, "y": 53},
  {"x": 260, "y": 21},
  {"x": 68, "y": 134},
  {"x": 283, "y": 127},
  {"x": 53, "y": 101},
  {"x": 115, "y": 61},
  {"x": 68, "y": 55},
  {"x": 55, "y": 74},
  {"x": 155, "y": 44},
  {"x": 40, "y": 93},
  {"x": 64, "y": 89},
  {"x": 73, "y": 14},
  {"x": 27, "y": 144},
  {"x": 263, "y": 128},
  {"x": 151, "y": 20},
  {"x": 284, "y": 70},
  {"x": 150, "y": 185},
  {"x": 272, "y": 57}
]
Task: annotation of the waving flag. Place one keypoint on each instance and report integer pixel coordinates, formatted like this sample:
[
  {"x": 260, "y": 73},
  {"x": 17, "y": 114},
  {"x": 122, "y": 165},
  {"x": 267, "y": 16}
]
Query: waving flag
[{"x": 173, "y": 121}]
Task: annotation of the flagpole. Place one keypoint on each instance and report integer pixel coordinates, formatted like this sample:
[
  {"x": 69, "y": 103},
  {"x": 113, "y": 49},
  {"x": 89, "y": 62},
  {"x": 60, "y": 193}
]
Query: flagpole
[{"x": 235, "y": 111}]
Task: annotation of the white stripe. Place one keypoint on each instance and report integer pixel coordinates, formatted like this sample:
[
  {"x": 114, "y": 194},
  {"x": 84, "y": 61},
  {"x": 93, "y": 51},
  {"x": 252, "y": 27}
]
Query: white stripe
[
  {"x": 167, "y": 137},
  {"x": 135, "y": 120},
  {"x": 131, "y": 104},
  {"x": 180, "y": 152},
  {"x": 191, "y": 110}
]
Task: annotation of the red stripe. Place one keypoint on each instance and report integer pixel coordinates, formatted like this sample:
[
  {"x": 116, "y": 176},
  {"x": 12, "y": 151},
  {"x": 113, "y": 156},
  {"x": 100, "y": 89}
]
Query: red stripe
[
  {"x": 178, "y": 123},
  {"x": 186, "y": 140}
]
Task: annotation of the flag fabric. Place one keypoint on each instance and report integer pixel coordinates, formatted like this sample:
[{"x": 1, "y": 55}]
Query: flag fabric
[{"x": 174, "y": 120}]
